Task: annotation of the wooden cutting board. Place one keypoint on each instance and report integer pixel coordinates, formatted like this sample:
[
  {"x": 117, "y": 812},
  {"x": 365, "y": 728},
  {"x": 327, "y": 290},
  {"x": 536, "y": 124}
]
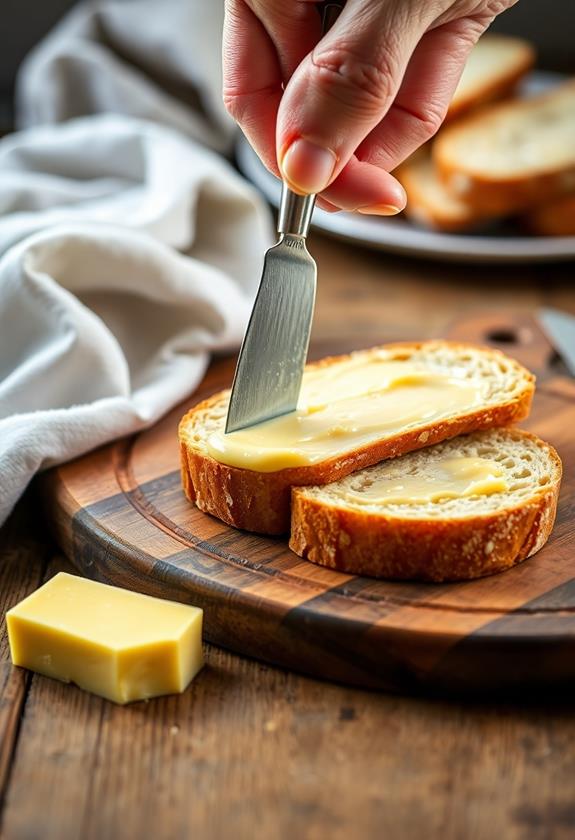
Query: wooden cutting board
[{"x": 120, "y": 515}]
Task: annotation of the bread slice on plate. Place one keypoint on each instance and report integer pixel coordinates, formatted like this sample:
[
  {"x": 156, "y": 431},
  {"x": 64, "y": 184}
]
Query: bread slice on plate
[
  {"x": 462, "y": 509},
  {"x": 511, "y": 156},
  {"x": 354, "y": 411},
  {"x": 429, "y": 203},
  {"x": 555, "y": 218},
  {"x": 494, "y": 67}
]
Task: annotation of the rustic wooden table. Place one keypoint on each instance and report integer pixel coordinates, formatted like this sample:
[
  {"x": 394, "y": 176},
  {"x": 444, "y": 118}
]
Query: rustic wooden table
[{"x": 251, "y": 751}]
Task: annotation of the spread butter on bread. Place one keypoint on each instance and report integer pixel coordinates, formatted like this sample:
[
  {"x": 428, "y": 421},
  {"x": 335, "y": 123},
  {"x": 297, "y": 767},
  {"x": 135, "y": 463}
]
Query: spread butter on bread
[
  {"x": 354, "y": 411},
  {"x": 465, "y": 508}
]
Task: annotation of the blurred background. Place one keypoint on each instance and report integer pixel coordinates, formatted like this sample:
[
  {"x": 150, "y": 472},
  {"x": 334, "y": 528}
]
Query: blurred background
[{"x": 550, "y": 26}]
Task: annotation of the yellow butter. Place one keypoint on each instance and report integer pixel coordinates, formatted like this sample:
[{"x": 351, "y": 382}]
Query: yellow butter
[
  {"x": 121, "y": 645},
  {"x": 446, "y": 478},
  {"x": 344, "y": 406}
]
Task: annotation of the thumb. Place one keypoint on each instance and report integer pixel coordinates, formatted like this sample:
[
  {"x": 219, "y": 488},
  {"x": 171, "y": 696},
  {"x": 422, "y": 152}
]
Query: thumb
[{"x": 343, "y": 89}]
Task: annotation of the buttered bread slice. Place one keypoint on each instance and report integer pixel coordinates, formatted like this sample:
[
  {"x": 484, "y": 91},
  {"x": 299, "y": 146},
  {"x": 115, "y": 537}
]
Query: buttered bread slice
[
  {"x": 511, "y": 156},
  {"x": 353, "y": 411},
  {"x": 461, "y": 509}
]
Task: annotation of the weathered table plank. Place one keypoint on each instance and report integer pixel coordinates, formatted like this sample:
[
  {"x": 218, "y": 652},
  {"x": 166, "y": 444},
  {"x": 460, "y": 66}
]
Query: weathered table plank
[
  {"x": 271, "y": 754},
  {"x": 23, "y": 554}
]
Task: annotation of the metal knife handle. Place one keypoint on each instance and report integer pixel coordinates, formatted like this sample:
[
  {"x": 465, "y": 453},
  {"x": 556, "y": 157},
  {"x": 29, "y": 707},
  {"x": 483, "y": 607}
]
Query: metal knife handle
[{"x": 295, "y": 212}]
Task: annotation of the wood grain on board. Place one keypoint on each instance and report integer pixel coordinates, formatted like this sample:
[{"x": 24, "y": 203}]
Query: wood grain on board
[{"x": 120, "y": 515}]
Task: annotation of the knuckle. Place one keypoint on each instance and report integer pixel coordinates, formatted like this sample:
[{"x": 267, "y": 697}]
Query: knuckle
[
  {"x": 239, "y": 101},
  {"x": 430, "y": 119},
  {"x": 466, "y": 31},
  {"x": 420, "y": 124},
  {"x": 233, "y": 104},
  {"x": 479, "y": 13},
  {"x": 366, "y": 85}
]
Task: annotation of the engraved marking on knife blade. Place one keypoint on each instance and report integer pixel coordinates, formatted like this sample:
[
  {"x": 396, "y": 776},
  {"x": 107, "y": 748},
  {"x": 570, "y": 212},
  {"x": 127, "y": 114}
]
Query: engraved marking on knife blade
[{"x": 294, "y": 243}]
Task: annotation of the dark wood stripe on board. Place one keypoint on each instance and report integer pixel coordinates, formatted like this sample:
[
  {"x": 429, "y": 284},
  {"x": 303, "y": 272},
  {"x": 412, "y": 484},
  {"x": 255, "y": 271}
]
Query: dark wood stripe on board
[
  {"x": 523, "y": 650},
  {"x": 122, "y": 512}
]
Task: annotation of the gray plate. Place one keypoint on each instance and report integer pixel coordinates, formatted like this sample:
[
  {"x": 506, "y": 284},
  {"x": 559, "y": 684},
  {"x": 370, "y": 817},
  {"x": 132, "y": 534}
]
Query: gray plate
[{"x": 503, "y": 243}]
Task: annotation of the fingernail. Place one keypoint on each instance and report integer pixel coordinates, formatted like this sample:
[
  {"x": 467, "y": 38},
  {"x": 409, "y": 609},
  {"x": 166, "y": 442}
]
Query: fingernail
[
  {"x": 307, "y": 167},
  {"x": 379, "y": 210}
]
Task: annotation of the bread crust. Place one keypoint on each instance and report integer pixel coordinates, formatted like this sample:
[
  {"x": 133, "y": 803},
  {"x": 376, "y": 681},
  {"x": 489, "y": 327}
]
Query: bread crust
[
  {"x": 556, "y": 218},
  {"x": 495, "y": 88},
  {"x": 260, "y": 501},
  {"x": 493, "y": 195},
  {"x": 383, "y": 546},
  {"x": 506, "y": 195},
  {"x": 451, "y": 215}
]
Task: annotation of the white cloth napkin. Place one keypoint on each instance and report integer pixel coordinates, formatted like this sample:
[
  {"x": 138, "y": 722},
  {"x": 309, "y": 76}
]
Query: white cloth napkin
[{"x": 104, "y": 325}]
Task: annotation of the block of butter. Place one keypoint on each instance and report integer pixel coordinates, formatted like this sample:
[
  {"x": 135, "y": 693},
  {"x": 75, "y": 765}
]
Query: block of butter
[{"x": 121, "y": 645}]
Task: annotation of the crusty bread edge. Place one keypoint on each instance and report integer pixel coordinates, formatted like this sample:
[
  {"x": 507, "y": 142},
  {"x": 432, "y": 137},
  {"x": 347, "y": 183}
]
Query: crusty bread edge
[
  {"x": 555, "y": 218},
  {"x": 502, "y": 195},
  {"x": 495, "y": 89},
  {"x": 376, "y": 545},
  {"x": 423, "y": 212},
  {"x": 260, "y": 501},
  {"x": 506, "y": 195}
]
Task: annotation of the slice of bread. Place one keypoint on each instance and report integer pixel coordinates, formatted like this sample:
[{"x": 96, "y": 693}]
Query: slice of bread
[
  {"x": 257, "y": 500},
  {"x": 556, "y": 218},
  {"x": 429, "y": 203},
  {"x": 494, "y": 66},
  {"x": 443, "y": 539},
  {"x": 511, "y": 156}
]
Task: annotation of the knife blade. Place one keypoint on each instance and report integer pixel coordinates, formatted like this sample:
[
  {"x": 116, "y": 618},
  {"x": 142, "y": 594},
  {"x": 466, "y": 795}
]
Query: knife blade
[
  {"x": 270, "y": 366},
  {"x": 560, "y": 329},
  {"x": 269, "y": 371}
]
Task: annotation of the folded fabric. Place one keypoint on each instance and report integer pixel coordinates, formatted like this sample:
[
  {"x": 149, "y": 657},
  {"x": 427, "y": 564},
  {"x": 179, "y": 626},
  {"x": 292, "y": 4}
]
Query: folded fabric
[
  {"x": 104, "y": 325},
  {"x": 152, "y": 60}
]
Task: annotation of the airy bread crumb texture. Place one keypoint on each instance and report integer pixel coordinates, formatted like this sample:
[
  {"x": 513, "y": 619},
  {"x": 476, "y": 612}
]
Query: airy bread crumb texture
[
  {"x": 528, "y": 464},
  {"x": 512, "y": 156},
  {"x": 450, "y": 539},
  {"x": 523, "y": 136}
]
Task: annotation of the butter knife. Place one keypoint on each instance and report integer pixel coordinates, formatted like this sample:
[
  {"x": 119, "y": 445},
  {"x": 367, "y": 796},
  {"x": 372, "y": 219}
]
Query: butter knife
[
  {"x": 272, "y": 357},
  {"x": 270, "y": 366},
  {"x": 560, "y": 329}
]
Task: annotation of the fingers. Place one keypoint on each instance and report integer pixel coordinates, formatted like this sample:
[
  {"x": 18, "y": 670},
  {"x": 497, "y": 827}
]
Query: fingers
[
  {"x": 327, "y": 205},
  {"x": 356, "y": 105},
  {"x": 424, "y": 95},
  {"x": 293, "y": 26},
  {"x": 344, "y": 88},
  {"x": 253, "y": 94},
  {"x": 263, "y": 42},
  {"x": 251, "y": 90},
  {"x": 365, "y": 188}
]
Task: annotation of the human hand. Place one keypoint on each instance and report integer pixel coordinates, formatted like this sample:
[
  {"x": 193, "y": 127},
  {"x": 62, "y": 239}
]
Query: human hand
[{"x": 334, "y": 115}]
